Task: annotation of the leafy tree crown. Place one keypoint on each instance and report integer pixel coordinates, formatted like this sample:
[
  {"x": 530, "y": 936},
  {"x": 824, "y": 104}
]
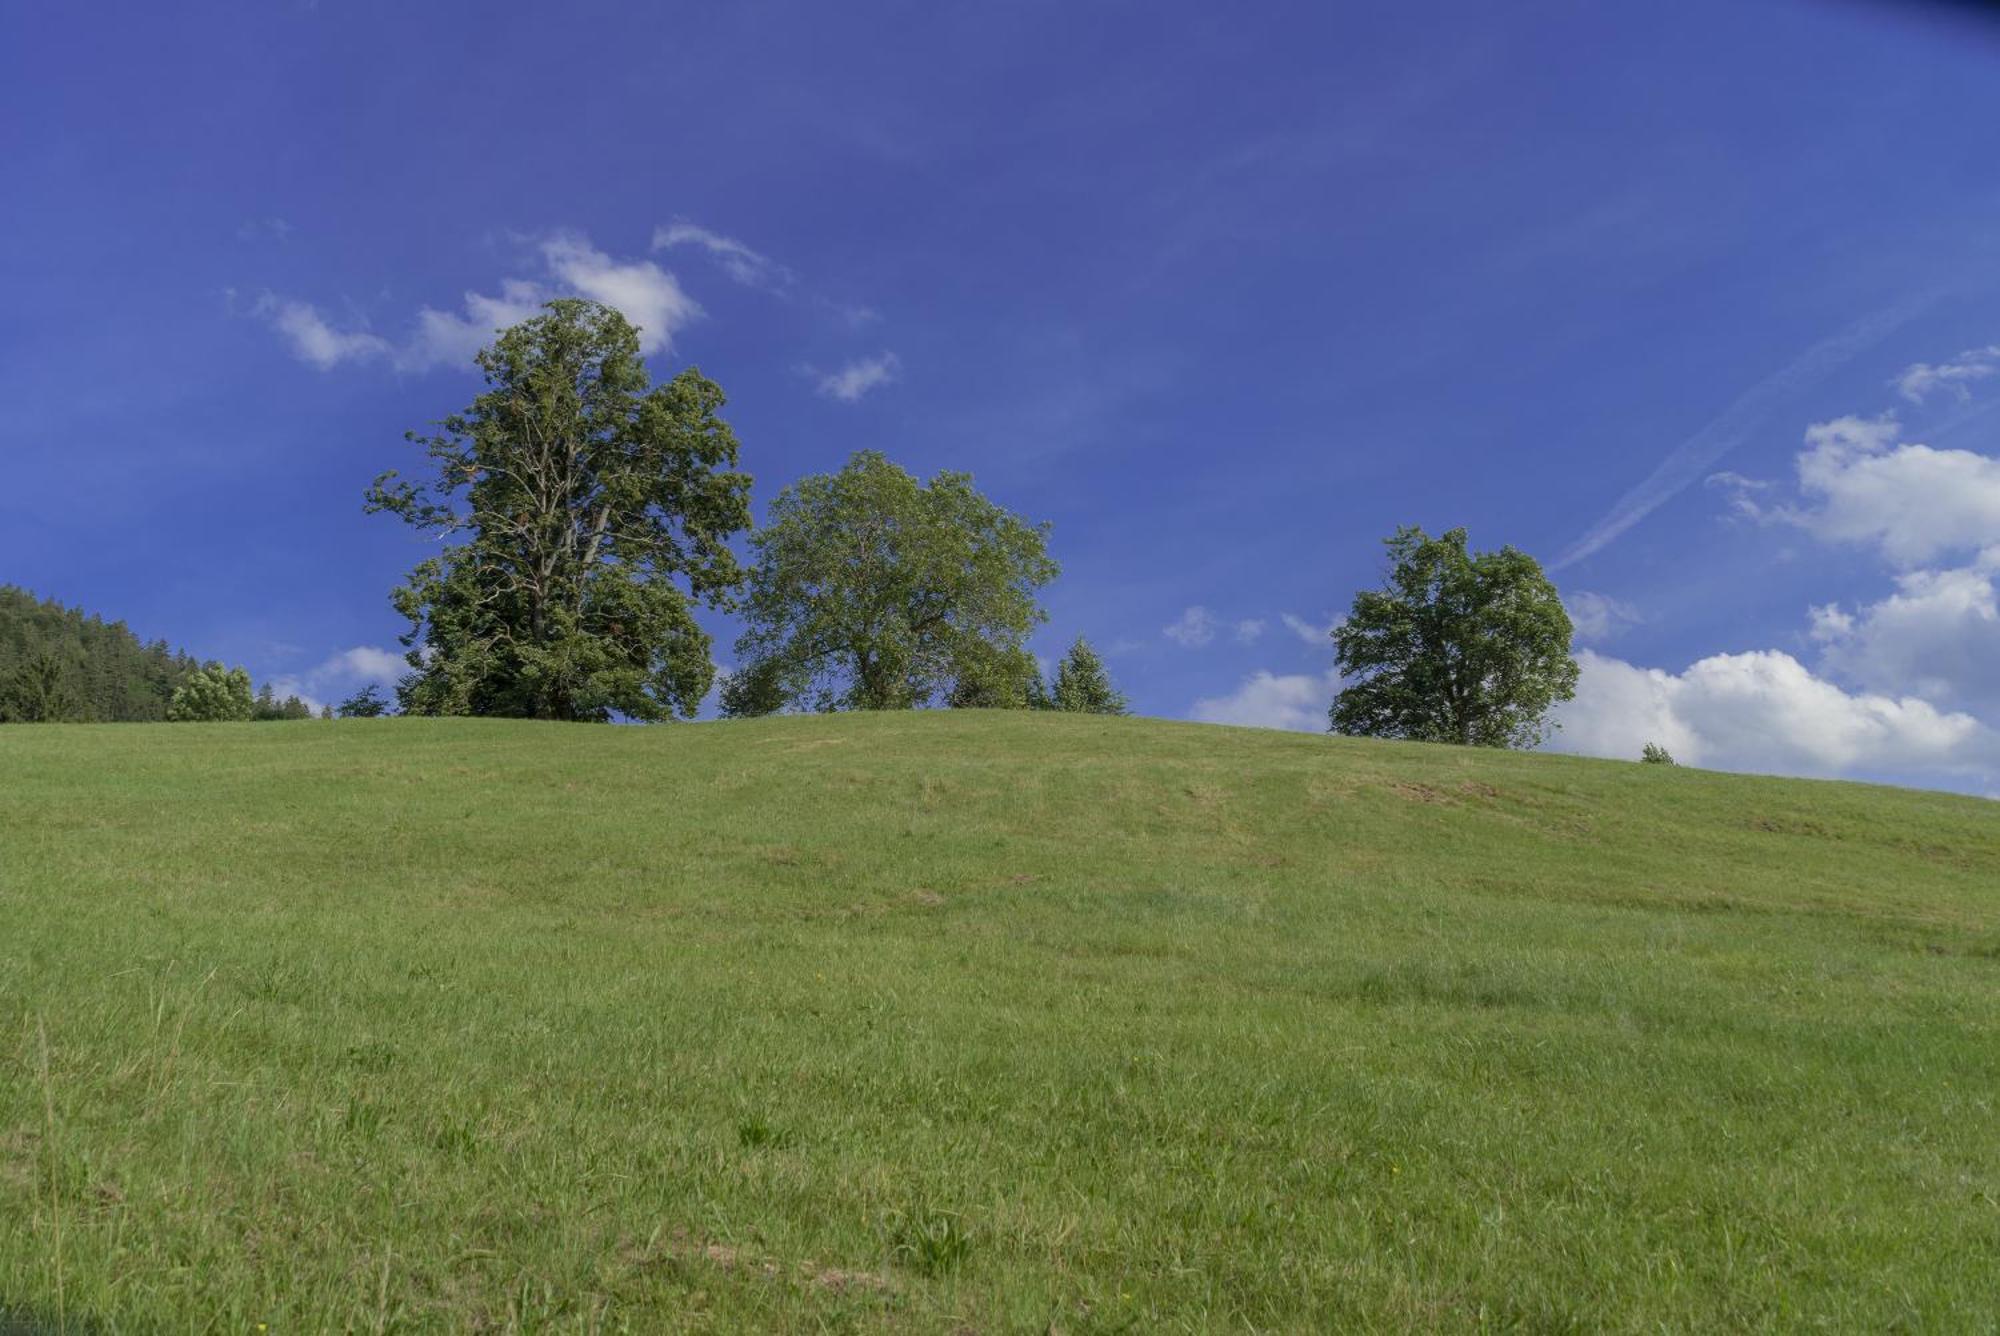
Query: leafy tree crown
[
  {"x": 587, "y": 512},
  {"x": 1455, "y": 647},
  {"x": 872, "y": 590}
]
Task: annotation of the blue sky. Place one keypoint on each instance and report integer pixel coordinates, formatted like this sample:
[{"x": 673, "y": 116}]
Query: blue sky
[{"x": 1224, "y": 294}]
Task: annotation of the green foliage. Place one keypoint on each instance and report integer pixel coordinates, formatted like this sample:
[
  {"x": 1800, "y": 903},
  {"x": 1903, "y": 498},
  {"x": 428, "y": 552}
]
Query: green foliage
[
  {"x": 595, "y": 511},
  {"x": 212, "y": 694},
  {"x": 716, "y": 1029},
  {"x": 1456, "y": 647},
  {"x": 366, "y": 703},
  {"x": 1654, "y": 754},
  {"x": 40, "y": 691},
  {"x": 60, "y": 664},
  {"x": 1082, "y": 685},
  {"x": 873, "y": 591},
  {"x": 996, "y": 677},
  {"x": 268, "y": 707}
]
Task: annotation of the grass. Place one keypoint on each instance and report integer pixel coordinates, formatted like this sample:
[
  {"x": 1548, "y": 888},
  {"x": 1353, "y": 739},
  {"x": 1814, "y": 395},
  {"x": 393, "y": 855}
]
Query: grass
[{"x": 986, "y": 1022}]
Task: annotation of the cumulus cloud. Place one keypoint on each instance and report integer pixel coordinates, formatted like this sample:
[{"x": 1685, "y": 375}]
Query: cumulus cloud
[
  {"x": 857, "y": 378},
  {"x": 447, "y": 338},
  {"x": 341, "y": 674},
  {"x": 1765, "y": 711},
  {"x": 1919, "y": 382},
  {"x": 568, "y": 266},
  {"x": 1862, "y": 485},
  {"x": 1295, "y": 701},
  {"x": 1598, "y": 616},
  {"x": 1249, "y": 630},
  {"x": 1194, "y": 628},
  {"x": 1937, "y": 636},
  {"x": 739, "y": 261}
]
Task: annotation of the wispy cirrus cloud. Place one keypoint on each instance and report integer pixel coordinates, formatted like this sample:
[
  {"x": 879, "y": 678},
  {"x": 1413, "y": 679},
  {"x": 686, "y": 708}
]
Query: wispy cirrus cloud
[
  {"x": 1696, "y": 457},
  {"x": 749, "y": 267},
  {"x": 1312, "y": 633},
  {"x": 1598, "y": 616},
  {"x": 1923, "y": 379},
  {"x": 1194, "y": 628},
  {"x": 856, "y": 379},
  {"x": 313, "y": 339}
]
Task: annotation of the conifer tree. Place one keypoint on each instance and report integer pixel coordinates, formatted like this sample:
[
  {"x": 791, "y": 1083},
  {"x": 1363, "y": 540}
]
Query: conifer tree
[{"x": 1082, "y": 686}]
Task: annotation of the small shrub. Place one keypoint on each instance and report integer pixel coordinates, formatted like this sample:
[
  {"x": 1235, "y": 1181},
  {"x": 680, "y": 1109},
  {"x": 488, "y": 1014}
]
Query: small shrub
[{"x": 1655, "y": 754}]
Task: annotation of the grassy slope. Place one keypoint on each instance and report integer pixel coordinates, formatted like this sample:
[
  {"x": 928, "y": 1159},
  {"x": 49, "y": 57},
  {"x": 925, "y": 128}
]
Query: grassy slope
[{"x": 921, "y": 1020}]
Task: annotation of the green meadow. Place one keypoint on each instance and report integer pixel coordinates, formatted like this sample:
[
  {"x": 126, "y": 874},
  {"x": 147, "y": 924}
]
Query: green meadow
[{"x": 982, "y": 1022}]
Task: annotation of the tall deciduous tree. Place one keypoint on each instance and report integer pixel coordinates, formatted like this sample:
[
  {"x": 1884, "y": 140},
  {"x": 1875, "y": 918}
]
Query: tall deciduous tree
[
  {"x": 594, "y": 511},
  {"x": 1456, "y": 647},
  {"x": 874, "y": 591},
  {"x": 1082, "y": 686}
]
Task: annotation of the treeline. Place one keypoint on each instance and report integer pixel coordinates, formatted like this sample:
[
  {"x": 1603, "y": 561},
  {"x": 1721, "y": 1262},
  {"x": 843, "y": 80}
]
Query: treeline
[
  {"x": 62, "y": 665},
  {"x": 582, "y": 515}
]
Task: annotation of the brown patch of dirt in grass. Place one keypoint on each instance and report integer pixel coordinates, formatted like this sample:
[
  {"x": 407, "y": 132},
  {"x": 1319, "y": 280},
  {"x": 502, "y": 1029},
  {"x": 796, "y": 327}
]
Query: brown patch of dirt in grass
[
  {"x": 1419, "y": 793},
  {"x": 926, "y": 897},
  {"x": 18, "y": 1152},
  {"x": 680, "y": 1246}
]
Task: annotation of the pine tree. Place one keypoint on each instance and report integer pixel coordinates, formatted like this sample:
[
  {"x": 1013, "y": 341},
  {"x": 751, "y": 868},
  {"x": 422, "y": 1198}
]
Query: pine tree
[{"x": 1082, "y": 686}]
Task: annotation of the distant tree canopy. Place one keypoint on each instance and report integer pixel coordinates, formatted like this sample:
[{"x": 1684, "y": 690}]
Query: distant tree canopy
[
  {"x": 212, "y": 694},
  {"x": 594, "y": 511},
  {"x": 59, "y": 664},
  {"x": 366, "y": 703},
  {"x": 268, "y": 707},
  {"x": 1082, "y": 686},
  {"x": 1456, "y": 647},
  {"x": 874, "y": 591}
]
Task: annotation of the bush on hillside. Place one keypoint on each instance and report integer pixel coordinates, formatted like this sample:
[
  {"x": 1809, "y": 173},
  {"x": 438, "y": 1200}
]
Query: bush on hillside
[{"x": 212, "y": 694}]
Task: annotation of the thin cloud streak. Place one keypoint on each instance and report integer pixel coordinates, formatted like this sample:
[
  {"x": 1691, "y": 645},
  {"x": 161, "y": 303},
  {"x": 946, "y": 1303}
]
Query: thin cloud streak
[{"x": 1693, "y": 458}]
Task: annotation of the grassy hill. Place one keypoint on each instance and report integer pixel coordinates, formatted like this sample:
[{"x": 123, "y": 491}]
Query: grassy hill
[{"x": 989, "y": 1022}]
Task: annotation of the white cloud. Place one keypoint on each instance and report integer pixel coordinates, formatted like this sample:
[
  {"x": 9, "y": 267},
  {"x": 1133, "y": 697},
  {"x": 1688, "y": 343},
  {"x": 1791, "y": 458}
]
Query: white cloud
[
  {"x": 857, "y": 378},
  {"x": 1249, "y": 630},
  {"x": 1765, "y": 711},
  {"x": 446, "y": 339},
  {"x": 1319, "y": 637},
  {"x": 315, "y": 341},
  {"x": 1937, "y": 636},
  {"x": 650, "y": 297},
  {"x": 1696, "y": 456},
  {"x": 1913, "y": 501},
  {"x": 341, "y": 674},
  {"x": 741, "y": 263},
  {"x": 1922, "y": 380},
  {"x": 1828, "y": 621},
  {"x": 1194, "y": 628},
  {"x": 1296, "y": 701},
  {"x": 1598, "y": 616}
]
